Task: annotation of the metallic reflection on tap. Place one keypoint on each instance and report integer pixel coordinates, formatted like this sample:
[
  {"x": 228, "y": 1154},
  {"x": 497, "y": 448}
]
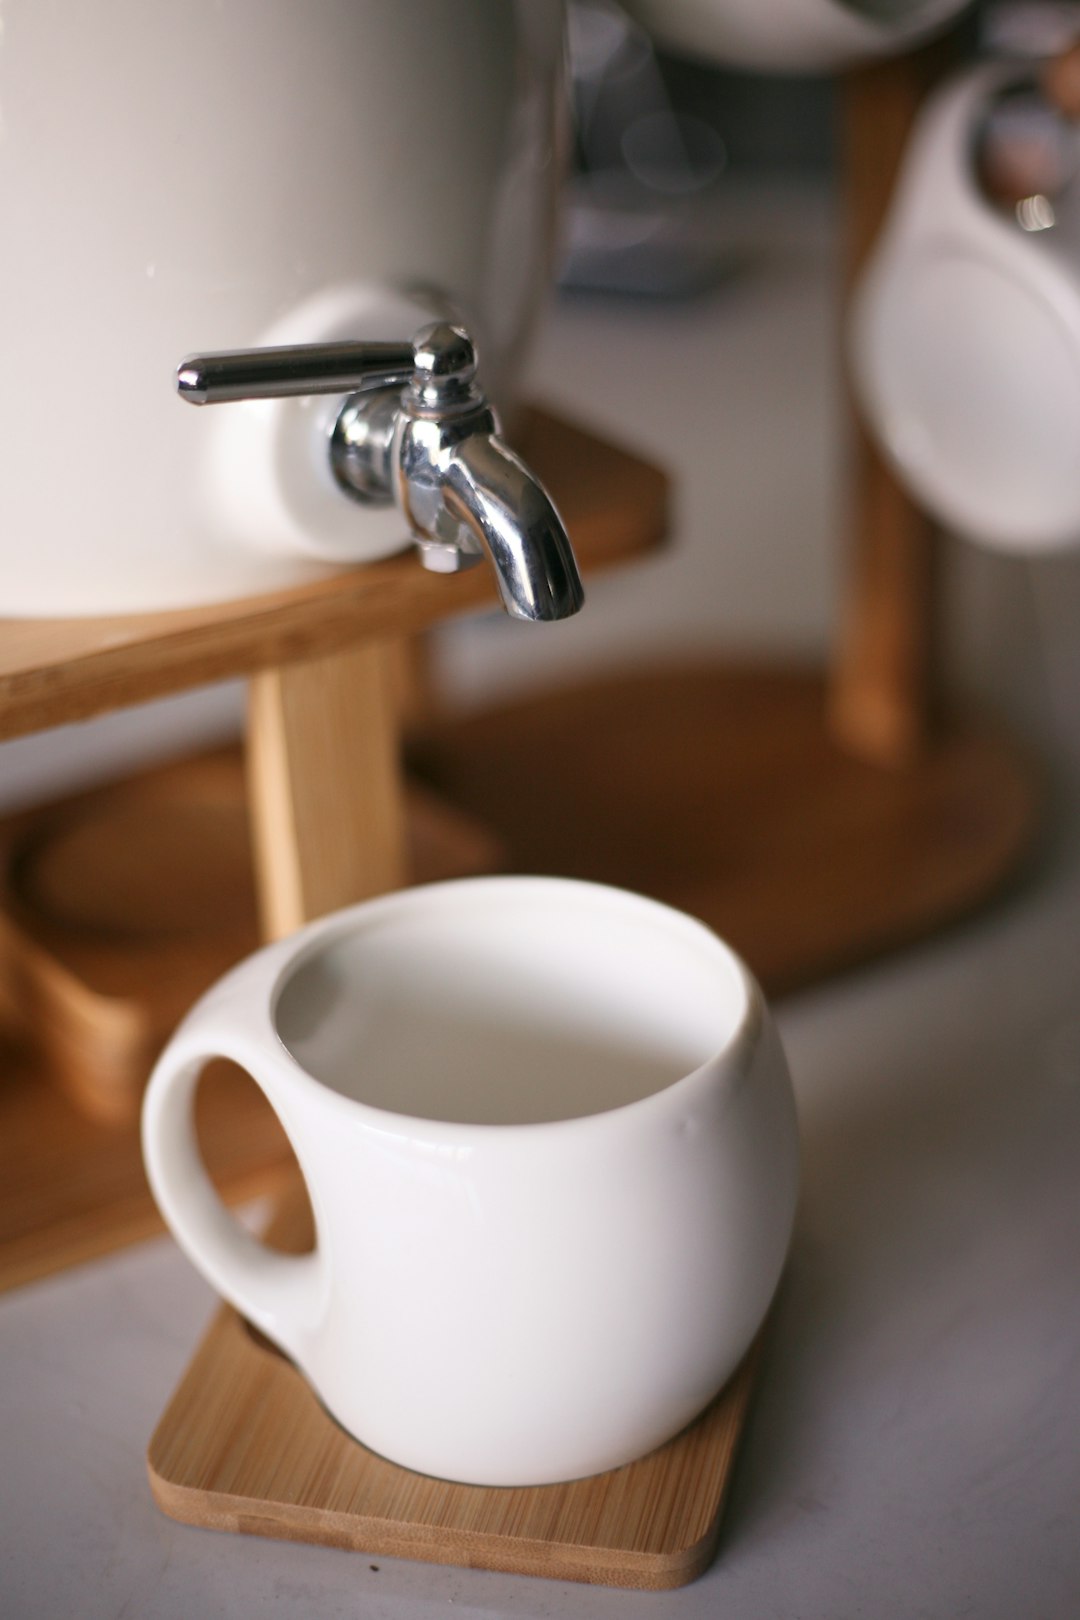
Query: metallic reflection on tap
[{"x": 432, "y": 448}]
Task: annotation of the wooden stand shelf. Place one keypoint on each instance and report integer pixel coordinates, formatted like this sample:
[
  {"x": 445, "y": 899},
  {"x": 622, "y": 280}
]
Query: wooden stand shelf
[{"x": 52, "y": 671}]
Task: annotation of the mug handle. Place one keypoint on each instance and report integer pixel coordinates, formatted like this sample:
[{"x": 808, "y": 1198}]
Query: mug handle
[{"x": 280, "y": 1294}]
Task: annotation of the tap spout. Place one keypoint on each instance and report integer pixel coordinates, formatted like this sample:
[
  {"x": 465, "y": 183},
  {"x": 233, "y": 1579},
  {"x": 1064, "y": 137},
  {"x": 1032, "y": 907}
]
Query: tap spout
[{"x": 493, "y": 495}]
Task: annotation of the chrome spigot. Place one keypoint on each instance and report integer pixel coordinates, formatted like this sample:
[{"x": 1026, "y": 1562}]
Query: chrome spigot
[{"x": 416, "y": 431}]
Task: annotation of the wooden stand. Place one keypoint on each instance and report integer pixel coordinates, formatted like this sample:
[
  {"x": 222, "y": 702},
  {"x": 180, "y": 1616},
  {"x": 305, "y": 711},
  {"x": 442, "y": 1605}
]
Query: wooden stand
[
  {"x": 122, "y": 904},
  {"x": 328, "y": 827},
  {"x": 814, "y": 822},
  {"x": 882, "y": 697}
]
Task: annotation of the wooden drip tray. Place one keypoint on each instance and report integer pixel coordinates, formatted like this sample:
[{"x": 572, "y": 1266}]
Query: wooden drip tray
[
  {"x": 719, "y": 789},
  {"x": 245, "y": 1446},
  {"x": 122, "y": 905}
]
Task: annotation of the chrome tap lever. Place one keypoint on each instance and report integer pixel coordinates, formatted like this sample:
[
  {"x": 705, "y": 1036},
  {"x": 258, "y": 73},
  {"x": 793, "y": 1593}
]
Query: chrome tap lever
[
  {"x": 283, "y": 373},
  {"x": 417, "y": 431}
]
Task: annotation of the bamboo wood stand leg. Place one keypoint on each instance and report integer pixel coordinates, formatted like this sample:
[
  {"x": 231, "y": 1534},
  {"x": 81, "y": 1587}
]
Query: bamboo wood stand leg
[
  {"x": 326, "y": 795},
  {"x": 881, "y": 697}
]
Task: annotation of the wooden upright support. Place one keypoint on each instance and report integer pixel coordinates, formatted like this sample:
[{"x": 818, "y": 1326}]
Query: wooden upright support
[
  {"x": 881, "y": 697},
  {"x": 326, "y": 795}
]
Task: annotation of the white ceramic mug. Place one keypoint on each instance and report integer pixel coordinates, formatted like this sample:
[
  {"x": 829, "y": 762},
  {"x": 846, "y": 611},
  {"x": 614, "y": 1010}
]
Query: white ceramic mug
[
  {"x": 965, "y": 336},
  {"x": 549, "y": 1138}
]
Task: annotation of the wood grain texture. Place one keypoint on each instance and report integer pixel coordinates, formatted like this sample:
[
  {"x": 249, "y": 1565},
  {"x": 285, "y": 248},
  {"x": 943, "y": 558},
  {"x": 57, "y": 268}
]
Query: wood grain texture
[
  {"x": 244, "y": 1446},
  {"x": 883, "y": 700},
  {"x": 613, "y": 503},
  {"x": 121, "y": 905},
  {"x": 325, "y": 786},
  {"x": 72, "y": 1188},
  {"x": 720, "y": 790},
  {"x": 882, "y": 694}
]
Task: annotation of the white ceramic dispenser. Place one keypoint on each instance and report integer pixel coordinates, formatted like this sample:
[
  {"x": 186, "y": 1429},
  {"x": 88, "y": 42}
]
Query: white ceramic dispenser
[{"x": 235, "y": 175}]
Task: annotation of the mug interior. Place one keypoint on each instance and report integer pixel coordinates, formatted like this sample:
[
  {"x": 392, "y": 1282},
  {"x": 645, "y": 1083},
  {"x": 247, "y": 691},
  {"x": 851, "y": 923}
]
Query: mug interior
[{"x": 509, "y": 1002}]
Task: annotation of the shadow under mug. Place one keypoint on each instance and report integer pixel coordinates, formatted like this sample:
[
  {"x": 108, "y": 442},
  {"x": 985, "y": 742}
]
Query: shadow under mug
[{"x": 549, "y": 1138}]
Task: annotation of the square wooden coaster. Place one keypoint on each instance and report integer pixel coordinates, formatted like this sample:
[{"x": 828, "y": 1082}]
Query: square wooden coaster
[{"x": 244, "y": 1445}]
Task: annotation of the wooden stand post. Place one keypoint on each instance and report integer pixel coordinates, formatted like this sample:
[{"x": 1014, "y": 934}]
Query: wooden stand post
[
  {"x": 881, "y": 697},
  {"x": 326, "y": 794}
]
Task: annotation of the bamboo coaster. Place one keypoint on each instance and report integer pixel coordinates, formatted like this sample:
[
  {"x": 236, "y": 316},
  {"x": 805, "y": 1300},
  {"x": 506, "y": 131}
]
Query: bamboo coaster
[{"x": 244, "y": 1445}]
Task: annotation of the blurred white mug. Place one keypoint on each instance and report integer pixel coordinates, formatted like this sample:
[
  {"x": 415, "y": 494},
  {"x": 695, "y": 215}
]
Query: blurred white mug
[{"x": 965, "y": 327}]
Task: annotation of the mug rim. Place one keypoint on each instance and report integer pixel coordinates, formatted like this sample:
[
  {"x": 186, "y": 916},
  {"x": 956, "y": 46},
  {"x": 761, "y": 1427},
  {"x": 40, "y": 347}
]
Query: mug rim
[{"x": 731, "y": 1053}]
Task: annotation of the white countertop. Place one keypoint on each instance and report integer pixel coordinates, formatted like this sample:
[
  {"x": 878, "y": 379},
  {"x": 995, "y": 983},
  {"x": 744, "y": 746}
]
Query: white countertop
[{"x": 914, "y": 1448}]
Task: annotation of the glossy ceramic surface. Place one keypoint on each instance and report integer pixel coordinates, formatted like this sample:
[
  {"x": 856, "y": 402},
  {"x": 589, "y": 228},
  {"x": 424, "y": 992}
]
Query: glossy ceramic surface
[
  {"x": 965, "y": 340},
  {"x": 549, "y": 1137},
  {"x": 230, "y": 173}
]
